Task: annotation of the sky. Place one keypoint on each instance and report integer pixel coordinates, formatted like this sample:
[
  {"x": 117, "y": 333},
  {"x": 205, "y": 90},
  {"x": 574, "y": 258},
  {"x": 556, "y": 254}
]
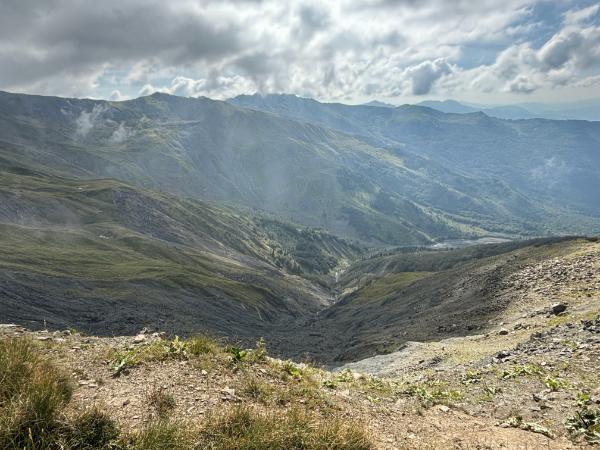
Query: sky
[{"x": 351, "y": 51}]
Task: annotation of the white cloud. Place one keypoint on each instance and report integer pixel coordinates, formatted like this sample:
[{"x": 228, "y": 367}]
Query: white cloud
[
  {"x": 120, "y": 134},
  {"x": 87, "y": 120},
  {"x": 576, "y": 16},
  {"x": 347, "y": 50}
]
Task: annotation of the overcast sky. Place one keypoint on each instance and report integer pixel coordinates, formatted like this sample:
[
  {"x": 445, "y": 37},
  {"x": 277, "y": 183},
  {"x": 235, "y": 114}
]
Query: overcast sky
[{"x": 399, "y": 51}]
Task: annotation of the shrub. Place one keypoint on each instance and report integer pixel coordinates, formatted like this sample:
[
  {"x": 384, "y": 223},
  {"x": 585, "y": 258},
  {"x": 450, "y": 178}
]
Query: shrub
[
  {"x": 121, "y": 361},
  {"x": 434, "y": 392},
  {"x": 554, "y": 384},
  {"x": 200, "y": 345},
  {"x": 256, "y": 389},
  {"x": 521, "y": 370},
  {"x": 33, "y": 397}
]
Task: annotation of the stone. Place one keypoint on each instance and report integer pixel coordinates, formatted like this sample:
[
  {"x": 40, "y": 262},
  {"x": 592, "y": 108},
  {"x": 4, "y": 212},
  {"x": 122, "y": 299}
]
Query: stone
[
  {"x": 503, "y": 332},
  {"x": 558, "y": 308}
]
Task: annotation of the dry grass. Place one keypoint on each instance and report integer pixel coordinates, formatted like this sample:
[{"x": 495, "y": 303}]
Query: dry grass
[
  {"x": 246, "y": 428},
  {"x": 35, "y": 395}
]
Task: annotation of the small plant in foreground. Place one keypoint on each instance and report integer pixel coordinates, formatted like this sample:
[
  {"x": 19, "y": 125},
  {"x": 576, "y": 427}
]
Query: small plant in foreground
[
  {"x": 521, "y": 370},
  {"x": 160, "y": 402},
  {"x": 554, "y": 384},
  {"x": 33, "y": 397},
  {"x": 583, "y": 399},
  {"x": 517, "y": 422},
  {"x": 586, "y": 423},
  {"x": 238, "y": 355},
  {"x": 256, "y": 389},
  {"x": 160, "y": 350},
  {"x": 201, "y": 345},
  {"x": 33, "y": 394},
  {"x": 92, "y": 430},
  {"x": 292, "y": 370},
  {"x": 471, "y": 377},
  {"x": 160, "y": 434},
  {"x": 434, "y": 393}
]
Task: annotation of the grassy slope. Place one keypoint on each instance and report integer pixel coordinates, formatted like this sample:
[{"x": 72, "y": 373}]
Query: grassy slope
[
  {"x": 212, "y": 150},
  {"x": 73, "y": 250},
  {"x": 554, "y": 163}
]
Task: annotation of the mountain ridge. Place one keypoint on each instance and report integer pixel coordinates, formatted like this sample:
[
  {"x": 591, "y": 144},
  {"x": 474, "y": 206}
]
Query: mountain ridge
[{"x": 188, "y": 147}]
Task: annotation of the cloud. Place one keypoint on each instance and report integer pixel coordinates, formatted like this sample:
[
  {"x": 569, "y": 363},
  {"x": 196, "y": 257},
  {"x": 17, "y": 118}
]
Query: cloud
[
  {"x": 550, "y": 172},
  {"x": 560, "y": 49},
  {"x": 116, "y": 96},
  {"x": 569, "y": 57},
  {"x": 577, "y": 16},
  {"x": 345, "y": 50},
  {"x": 120, "y": 134},
  {"x": 422, "y": 76},
  {"x": 87, "y": 120}
]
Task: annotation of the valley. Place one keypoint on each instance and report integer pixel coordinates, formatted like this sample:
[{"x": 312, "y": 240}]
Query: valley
[
  {"x": 187, "y": 215},
  {"x": 212, "y": 257},
  {"x": 525, "y": 377}
]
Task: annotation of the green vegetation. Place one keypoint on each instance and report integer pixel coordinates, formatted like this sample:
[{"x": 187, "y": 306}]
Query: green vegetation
[
  {"x": 585, "y": 422},
  {"x": 244, "y": 428},
  {"x": 419, "y": 260},
  {"x": 160, "y": 434},
  {"x": 518, "y": 422},
  {"x": 160, "y": 350},
  {"x": 434, "y": 392},
  {"x": 160, "y": 402},
  {"x": 384, "y": 286},
  {"x": 518, "y": 370},
  {"x": 555, "y": 384},
  {"x": 101, "y": 241},
  {"x": 459, "y": 152},
  {"x": 35, "y": 396}
]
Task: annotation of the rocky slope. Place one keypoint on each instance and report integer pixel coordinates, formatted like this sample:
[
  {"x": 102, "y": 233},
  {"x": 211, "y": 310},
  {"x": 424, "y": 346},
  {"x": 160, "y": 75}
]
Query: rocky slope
[
  {"x": 386, "y": 301},
  {"x": 526, "y": 378}
]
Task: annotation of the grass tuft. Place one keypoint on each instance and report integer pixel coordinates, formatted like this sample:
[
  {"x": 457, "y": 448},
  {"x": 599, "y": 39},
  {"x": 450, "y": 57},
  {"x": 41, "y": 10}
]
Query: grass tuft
[
  {"x": 246, "y": 428},
  {"x": 32, "y": 395},
  {"x": 92, "y": 430}
]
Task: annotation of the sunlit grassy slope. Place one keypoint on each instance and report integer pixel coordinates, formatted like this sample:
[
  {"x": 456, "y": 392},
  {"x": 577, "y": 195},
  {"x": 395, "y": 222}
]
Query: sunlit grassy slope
[{"x": 72, "y": 250}]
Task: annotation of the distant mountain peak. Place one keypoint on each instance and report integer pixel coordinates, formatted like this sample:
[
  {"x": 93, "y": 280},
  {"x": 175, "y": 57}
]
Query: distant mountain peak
[{"x": 379, "y": 104}]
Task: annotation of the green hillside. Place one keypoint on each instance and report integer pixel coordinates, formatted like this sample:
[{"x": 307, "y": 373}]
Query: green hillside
[
  {"x": 104, "y": 256},
  {"x": 211, "y": 150},
  {"x": 553, "y": 164}
]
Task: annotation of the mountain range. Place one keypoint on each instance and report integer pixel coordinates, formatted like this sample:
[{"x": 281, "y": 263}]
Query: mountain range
[
  {"x": 585, "y": 110},
  {"x": 533, "y": 168},
  {"x": 268, "y": 216}
]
